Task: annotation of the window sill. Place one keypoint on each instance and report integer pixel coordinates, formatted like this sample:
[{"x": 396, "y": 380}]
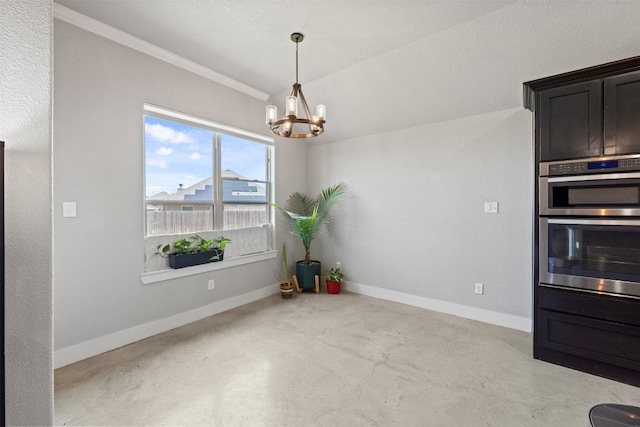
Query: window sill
[{"x": 162, "y": 275}]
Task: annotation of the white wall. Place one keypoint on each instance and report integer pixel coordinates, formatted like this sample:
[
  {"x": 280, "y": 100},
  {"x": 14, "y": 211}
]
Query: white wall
[
  {"x": 25, "y": 126},
  {"x": 100, "y": 88},
  {"x": 412, "y": 227}
]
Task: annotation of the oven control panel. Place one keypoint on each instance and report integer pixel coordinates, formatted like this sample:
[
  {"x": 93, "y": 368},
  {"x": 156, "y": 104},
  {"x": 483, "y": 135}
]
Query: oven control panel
[{"x": 599, "y": 165}]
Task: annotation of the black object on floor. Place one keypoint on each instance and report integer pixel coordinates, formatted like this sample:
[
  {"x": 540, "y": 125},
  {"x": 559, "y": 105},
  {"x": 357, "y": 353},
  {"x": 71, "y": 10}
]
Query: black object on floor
[{"x": 614, "y": 415}]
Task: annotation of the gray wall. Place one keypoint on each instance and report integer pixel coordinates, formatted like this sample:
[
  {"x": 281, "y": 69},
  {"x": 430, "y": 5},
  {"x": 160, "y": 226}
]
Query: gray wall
[
  {"x": 100, "y": 89},
  {"x": 25, "y": 125},
  {"x": 413, "y": 220}
]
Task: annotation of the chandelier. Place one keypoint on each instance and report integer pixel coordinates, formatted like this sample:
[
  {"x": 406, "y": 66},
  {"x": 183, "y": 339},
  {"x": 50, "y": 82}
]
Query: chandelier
[{"x": 290, "y": 125}]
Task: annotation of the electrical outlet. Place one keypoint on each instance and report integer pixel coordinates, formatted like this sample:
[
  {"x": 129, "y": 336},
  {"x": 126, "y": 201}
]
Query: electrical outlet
[
  {"x": 212, "y": 284},
  {"x": 479, "y": 288},
  {"x": 491, "y": 207},
  {"x": 338, "y": 264}
]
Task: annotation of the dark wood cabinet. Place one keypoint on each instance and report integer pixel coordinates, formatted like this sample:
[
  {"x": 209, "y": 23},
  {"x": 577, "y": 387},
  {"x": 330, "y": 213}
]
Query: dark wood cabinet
[
  {"x": 590, "y": 332},
  {"x": 622, "y": 114},
  {"x": 585, "y": 113},
  {"x": 570, "y": 122}
]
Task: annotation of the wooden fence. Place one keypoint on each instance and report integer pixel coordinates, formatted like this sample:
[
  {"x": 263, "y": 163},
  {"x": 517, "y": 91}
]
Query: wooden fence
[{"x": 181, "y": 222}]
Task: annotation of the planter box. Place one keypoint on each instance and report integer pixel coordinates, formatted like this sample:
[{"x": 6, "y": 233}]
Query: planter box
[{"x": 188, "y": 260}]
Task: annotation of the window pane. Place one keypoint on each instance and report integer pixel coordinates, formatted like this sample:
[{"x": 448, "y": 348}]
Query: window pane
[
  {"x": 244, "y": 187},
  {"x": 178, "y": 175}
]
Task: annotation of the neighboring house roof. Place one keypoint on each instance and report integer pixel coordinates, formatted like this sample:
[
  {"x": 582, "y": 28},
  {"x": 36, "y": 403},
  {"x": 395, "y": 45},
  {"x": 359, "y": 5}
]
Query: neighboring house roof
[{"x": 234, "y": 190}]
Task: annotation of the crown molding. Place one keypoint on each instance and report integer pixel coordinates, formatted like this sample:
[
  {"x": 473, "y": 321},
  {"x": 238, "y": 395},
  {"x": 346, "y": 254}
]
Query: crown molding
[{"x": 100, "y": 28}]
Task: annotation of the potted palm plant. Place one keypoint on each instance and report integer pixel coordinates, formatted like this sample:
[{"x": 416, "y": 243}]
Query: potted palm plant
[
  {"x": 334, "y": 279},
  {"x": 307, "y": 217}
]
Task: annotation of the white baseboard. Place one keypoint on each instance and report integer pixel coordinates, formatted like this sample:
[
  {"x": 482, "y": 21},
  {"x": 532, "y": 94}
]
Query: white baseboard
[
  {"x": 473, "y": 313},
  {"x": 75, "y": 353}
]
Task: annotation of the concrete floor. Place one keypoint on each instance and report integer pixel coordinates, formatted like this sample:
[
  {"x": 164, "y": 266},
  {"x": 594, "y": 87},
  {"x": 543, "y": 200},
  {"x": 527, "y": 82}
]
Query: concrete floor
[{"x": 330, "y": 360}]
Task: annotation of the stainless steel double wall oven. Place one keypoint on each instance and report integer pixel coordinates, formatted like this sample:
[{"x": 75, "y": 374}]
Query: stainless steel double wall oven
[{"x": 589, "y": 225}]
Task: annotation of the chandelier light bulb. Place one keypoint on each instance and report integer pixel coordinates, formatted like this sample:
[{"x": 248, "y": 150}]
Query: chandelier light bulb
[
  {"x": 272, "y": 114},
  {"x": 291, "y": 103}
]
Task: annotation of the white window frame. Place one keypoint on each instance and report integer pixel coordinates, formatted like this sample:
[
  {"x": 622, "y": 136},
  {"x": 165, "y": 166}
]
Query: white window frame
[{"x": 154, "y": 275}]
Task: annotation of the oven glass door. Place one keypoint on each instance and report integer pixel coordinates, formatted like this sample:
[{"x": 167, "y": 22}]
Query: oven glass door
[
  {"x": 601, "y": 195},
  {"x": 596, "y": 254}
]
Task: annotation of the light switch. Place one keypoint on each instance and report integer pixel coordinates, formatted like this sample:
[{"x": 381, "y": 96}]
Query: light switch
[
  {"x": 491, "y": 207},
  {"x": 69, "y": 209}
]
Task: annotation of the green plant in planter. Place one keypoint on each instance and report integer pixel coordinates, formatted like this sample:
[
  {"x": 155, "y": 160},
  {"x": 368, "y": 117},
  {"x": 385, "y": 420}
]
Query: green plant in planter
[
  {"x": 194, "y": 245},
  {"x": 285, "y": 265},
  {"x": 334, "y": 280},
  {"x": 309, "y": 216},
  {"x": 335, "y": 275},
  {"x": 286, "y": 288}
]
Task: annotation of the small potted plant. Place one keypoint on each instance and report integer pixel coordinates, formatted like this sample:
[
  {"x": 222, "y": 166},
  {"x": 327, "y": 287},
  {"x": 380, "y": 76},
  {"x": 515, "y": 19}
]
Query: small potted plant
[
  {"x": 196, "y": 250},
  {"x": 334, "y": 279},
  {"x": 286, "y": 288}
]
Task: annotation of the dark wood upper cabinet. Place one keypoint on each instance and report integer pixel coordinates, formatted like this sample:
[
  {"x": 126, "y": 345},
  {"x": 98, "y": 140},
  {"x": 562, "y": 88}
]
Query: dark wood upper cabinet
[
  {"x": 587, "y": 113},
  {"x": 570, "y": 122},
  {"x": 622, "y": 114}
]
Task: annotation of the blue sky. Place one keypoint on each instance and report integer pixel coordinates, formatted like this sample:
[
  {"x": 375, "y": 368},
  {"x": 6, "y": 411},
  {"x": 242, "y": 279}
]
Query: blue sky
[{"x": 180, "y": 154}]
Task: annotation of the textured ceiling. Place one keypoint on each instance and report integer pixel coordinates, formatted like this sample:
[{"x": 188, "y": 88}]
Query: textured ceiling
[{"x": 387, "y": 64}]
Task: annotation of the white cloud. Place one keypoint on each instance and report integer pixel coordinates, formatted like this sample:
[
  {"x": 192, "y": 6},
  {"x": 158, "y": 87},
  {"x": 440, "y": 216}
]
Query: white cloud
[
  {"x": 195, "y": 156},
  {"x": 166, "y": 134},
  {"x": 164, "y": 151},
  {"x": 158, "y": 163}
]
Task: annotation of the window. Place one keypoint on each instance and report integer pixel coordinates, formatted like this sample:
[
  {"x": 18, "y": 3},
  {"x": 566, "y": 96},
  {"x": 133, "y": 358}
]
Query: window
[{"x": 202, "y": 176}]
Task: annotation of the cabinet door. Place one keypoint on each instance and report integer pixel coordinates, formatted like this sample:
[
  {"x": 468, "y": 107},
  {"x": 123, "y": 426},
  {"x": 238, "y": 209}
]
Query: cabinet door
[
  {"x": 593, "y": 339},
  {"x": 570, "y": 122},
  {"x": 622, "y": 114}
]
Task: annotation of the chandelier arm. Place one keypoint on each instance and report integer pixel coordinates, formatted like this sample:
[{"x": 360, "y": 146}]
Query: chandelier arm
[{"x": 304, "y": 103}]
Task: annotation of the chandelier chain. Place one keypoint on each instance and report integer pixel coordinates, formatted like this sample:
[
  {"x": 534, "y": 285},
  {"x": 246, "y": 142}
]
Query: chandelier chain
[{"x": 296, "y": 62}]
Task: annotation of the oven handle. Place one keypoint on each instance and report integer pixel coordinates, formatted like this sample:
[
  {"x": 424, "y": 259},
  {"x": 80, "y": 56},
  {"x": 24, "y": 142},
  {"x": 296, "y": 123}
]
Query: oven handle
[
  {"x": 612, "y": 176},
  {"x": 629, "y": 222}
]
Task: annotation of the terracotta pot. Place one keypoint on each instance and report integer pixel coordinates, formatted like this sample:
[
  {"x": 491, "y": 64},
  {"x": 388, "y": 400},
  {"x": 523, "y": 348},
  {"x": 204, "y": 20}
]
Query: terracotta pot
[{"x": 333, "y": 287}]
